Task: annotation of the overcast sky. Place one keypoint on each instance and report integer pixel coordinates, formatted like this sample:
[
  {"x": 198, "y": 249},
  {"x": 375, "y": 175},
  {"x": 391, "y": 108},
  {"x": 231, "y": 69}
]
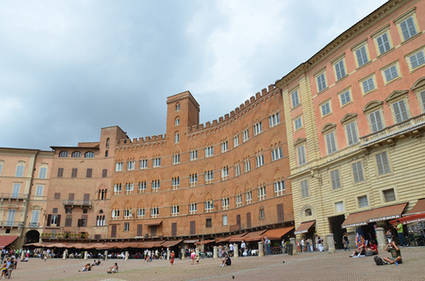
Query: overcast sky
[{"x": 69, "y": 68}]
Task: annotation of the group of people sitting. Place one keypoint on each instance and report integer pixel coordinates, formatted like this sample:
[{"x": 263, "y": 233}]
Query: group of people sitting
[
  {"x": 8, "y": 265},
  {"x": 88, "y": 266},
  {"x": 365, "y": 248}
]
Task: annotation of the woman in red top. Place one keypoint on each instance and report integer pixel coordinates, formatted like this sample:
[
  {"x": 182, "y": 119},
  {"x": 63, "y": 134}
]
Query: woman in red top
[{"x": 172, "y": 255}]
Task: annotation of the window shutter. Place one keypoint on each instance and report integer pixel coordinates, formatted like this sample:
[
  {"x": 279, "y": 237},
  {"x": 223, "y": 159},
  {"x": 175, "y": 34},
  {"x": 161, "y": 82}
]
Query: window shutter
[
  {"x": 174, "y": 229},
  {"x": 192, "y": 228},
  {"x": 58, "y": 220},
  {"x": 248, "y": 220},
  {"x": 49, "y": 219},
  {"x": 114, "y": 230},
  {"x": 139, "y": 229},
  {"x": 279, "y": 213},
  {"x": 238, "y": 220}
]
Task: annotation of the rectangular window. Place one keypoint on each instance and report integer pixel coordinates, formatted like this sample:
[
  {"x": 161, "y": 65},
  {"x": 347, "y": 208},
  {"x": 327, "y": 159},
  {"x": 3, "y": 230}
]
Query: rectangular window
[
  {"x": 389, "y": 195},
  {"x": 400, "y": 111},
  {"x": 89, "y": 172},
  {"x": 304, "y": 189},
  {"x": 60, "y": 172},
  {"x": 321, "y": 82},
  {"x": 298, "y": 124},
  {"x": 144, "y": 164},
  {"x": 155, "y": 185},
  {"x": 224, "y": 146},
  {"x": 42, "y": 173},
  {"x": 208, "y": 222},
  {"x": 193, "y": 155},
  {"x": 142, "y": 186},
  {"x": 128, "y": 213},
  {"x": 154, "y": 212},
  {"x": 295, "y": 99},
  {"x": 261, "y": 193},
  {"x": 417, "y": 59},
  {"x": 175, "y": 210},
  {"x": 1, "y": 167},
  {"x": 224, "y": 220},
  {"x": 361, "y": 55},
  {"x": 131, "y": 165},
  {"x": 325, "y": 108},
  {"x": 156, "y": 162},
  {"x": 74, "y": 172},
  {"x": 340, "y": 69},
  {"x": 259, "y": 160},
  {"x": 129, "y": 188},
  {"x": 177, "y": 138},
  {"x": 422, "y": 98},
  {"x": 279, "y": 187},
  {"x": 16, "y": 189},
  {"x": 330, "y": 142},
  {"x": 362, "y": 201},
  {"x": 357, "y": 171},
  {"x": 257, "y": 128},
  {"x": 277, "y": 153},
  {"x": 382, "y": 163},
  {"x": 39, "y": 190},
  {"x": 115, "y": 213},
  {"x": 237, "y": 170},
  {"x": 176, "y": 158},
  {"x": 245, "y": 135},
  {"x": 274, "y": 120},
  {"x": 408, "y": 28},
  {"x": 209, "y": 151},
  {"x": 126, "y": 227},
  {"x": 209, "y": 206},
  {"x": 238, "y": 200},
  {"x": 390, "y": 73},
  {"x": 224, "y": 172},
  {"x": 193, "y": 180},
  {"x": 247, "y": 165},
  {"x": 117, "y": 188},
  {"x": 249, "y": 197},
  {"x": 368, "y": 85},
  {"x": 118, "y": 166},
  {"x": 236, "y": 141},
  {"x": 104, "y": 173},
  {"x": 175, "y": 182},
  {"x": 11, "y": 217},
  {"x": 57, "y": 195},
  {"x": 383, "y": 43},
  {"x": 335, "y": 180},
  {"x": 261, "y": 213},
  {"x": 376, "y": 123},
  {"x": 301, "y": 155},
  {"x": 19, "y": 170},
  {"x": 193, "y": 208},
  {"x": 351, "y": 131},
  {"x": 345, "y": 97},
  {"x": 225, "y": 203},
  {"x": 209, "y": 176},
  {"x": 339, "y": 206}
]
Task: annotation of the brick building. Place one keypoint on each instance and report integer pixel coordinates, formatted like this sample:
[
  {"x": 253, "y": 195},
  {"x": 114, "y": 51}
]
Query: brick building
[
  {"x": 355, "y": 119},
  {"x": 204, "y": 180}
]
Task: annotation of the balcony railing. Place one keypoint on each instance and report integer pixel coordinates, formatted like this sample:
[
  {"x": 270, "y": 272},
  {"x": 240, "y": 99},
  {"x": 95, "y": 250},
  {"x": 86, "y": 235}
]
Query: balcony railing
[
  {"x": 78, "y": 203},
  {"x": 13, "y": 196},
  {"x": 11, "y": 223},
  {"x": 33, "y": 224},
  {"x": 395, "y": 130}
]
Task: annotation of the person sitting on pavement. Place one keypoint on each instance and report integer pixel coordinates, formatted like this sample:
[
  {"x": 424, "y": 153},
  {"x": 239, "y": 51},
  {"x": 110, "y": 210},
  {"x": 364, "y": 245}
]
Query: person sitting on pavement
[
  {"x": 113, "y": 269},
  {"x": 226, "y": 261},
  {"x": 360, "y": 251},
  {"x": 86, "y": 268},
  {"x": 372, "y": 248},
  {"x": 395, "y": 253}
]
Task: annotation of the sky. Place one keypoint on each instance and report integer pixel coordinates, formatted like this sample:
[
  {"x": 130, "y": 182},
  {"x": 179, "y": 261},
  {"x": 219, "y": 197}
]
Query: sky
[{"x": 69, "y": 68}]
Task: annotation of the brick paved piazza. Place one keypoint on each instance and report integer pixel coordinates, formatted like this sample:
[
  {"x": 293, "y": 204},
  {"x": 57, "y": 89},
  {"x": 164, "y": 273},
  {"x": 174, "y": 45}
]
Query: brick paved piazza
[{"x": 315, "y": 266}]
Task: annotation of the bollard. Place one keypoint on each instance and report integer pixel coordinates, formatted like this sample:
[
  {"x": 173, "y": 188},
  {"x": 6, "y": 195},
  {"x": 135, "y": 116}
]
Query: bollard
[
  {"x": 215, "y": 255},
  {"x": 126, "y": 255},
  {"x": 183, "y": 252},
  {"x": 65, "y": 254},
  {"x": 106, "y": 255},
  {"x": 260, "y": 249},
  {"x": 86, "y": 256},
  {"x": 168, "y": 253}
]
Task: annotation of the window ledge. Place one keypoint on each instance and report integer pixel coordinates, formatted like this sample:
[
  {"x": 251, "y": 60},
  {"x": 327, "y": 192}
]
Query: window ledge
[{"x": 412, "y": 38}]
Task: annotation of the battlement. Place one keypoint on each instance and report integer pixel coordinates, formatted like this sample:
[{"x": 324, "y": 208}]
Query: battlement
[
  {"x": 143, "y": 140},
  {"x": 234, "y": 113}
]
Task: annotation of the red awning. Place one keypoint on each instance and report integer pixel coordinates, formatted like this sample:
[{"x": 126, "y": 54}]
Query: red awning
[
  {"x": 151, "y": 244},
  {"x": 304, "y": 227},
  {"x": 419, "y": 208},
  {"x": 254, "y": 236},
  {"x": 191, "y": 241},
  {"x": 6, "y": 240},
  {"x": 168, "y": 244},
  {"x": 237, "y": 237},
  {"x": 409, "y": 219},
  {"x": 277, "y": 233},
  {"x": 222, "y": 239},
  {"x": 374, "y": 215},
  {"x": 155, "y": 223}
]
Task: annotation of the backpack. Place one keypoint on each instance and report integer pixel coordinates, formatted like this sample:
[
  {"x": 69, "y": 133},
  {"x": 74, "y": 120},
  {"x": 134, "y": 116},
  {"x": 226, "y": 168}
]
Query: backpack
[{"x": 378, "y": 260}]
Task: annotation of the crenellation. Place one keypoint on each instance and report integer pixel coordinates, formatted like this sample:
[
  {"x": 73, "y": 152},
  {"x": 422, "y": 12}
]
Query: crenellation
[
  {"x": 257, "y": 95},
  {"x": 264, "y": 92},
  {"x": 220, "y": 119}
]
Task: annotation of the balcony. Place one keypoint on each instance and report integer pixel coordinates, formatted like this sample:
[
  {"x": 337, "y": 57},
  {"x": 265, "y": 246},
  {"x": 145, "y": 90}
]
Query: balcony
[
  {"x": 11, "y": 224},
  {"x": 77, "y": 203},
  {"x": 408, "y": 127},
  {"x": 13, "y": 196}
]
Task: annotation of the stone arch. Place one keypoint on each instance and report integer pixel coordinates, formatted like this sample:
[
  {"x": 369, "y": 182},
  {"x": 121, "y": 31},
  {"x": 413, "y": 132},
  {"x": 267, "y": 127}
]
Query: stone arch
[{"x": 32, "y": 236}]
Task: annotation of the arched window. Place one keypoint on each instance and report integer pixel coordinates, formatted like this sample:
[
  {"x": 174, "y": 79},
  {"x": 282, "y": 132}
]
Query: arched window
[
  {"x": 63, "y": 154},
  {"x": 107, "y": 142},
  {"x": 177, "y": 107},
  {"x": 20, "y": 169},
  {"x": 89, "y": 154},
  {"x": 76, "y": 154},
  {"x": 177, "y": 121},
  {"x": 307, "y": 212}
]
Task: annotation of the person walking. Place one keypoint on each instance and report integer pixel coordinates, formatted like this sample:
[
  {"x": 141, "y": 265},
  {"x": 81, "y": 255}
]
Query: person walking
[
  {"x": 172, "y": 256},
  {"x": 400, "y": 234},
  {"x": 345, "y": 241}
]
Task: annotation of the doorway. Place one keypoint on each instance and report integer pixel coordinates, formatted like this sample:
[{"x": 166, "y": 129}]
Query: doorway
[{"x": 335, "y": 228}]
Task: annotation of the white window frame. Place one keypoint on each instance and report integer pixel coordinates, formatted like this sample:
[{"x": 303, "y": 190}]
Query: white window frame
[
  {"x": 245, "y": 135},
  {"x": 361, "y": 53},
  {"x": 295, "y": 98},
  {"x": 259, "y": 160},
  {"x": 279, "y": 187},
  {"x": 277, "y": 153},
  {"x": 382, "y": 163},
  {"x": 274, "y": 120},
  {"x": 352, "y": 133},
  {"x": 383, "y": 42},
  {"x": 376, "y": 121},
  {"x": 176, "y": 158},
  {"x": 142, "y": 186},
  {"x": 257, "y": 128},
  {"x": 340, "y": 69},
  {"x": 304, "y": 189},
  {"x": 326, "y": 105},
  {"x": 335, "y": 179},
  {"x": 236, "y": 141},
  {"x": 367, "y": 90},
  {"x": 345, "y": 97},
  {"x": 262, "y": 193},
  {"x": 400, "y": 111},
  {"x": 298, "y": 123},
  {"x": 301, "y": 154},
  {"x": 193, "y": 155},
  {"x": 392, "y": 69},
  {"x": 361, "y": 204},
  {"x": 357, "y": 169},
  {"x": 321, "y": 82},
  {"x": 330, "y": 140},
  {"x": 209, "y": 151},
  {"x": 143, "y": 164}
]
